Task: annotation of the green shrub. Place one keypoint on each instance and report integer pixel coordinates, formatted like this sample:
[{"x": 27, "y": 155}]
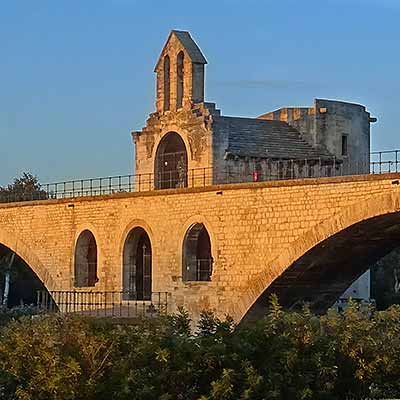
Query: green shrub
[{"x": 287, "y": 355}]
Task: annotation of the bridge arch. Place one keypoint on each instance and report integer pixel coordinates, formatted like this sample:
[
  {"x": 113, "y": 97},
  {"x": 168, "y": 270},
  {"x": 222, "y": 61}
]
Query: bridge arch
[
  {"x": 25, "y": 252},
  {"x": 378, "y": 216}
]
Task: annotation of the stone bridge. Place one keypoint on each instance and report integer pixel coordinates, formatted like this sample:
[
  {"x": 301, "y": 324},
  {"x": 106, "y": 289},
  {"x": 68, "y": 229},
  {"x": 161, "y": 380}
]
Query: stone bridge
[{"x": 306, "y": 240}]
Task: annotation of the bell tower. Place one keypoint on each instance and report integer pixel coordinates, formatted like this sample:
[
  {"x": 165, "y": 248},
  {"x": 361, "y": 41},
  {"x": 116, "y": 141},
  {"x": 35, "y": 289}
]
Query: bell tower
[{"x": 180, "y": 74}]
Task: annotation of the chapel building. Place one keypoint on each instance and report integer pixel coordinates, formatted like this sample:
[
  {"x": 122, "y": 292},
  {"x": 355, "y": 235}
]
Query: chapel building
[{"x": 187, "y": 142}]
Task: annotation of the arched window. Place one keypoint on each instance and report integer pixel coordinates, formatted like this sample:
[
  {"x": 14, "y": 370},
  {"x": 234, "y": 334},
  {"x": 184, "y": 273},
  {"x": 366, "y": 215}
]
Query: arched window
[
  {"x": 171, "y": 163},
  {"x": 137, "y": 266},
  {"x": 166, "y": 83},
  {"x": 86, "y": 260},
  {"x": 179, "y": 80},
  {"x": 197, "y": 260}
]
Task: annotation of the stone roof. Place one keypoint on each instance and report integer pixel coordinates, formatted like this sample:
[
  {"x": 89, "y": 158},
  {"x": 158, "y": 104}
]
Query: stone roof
[
  {"x": 251, "y": 137},
  {"x": 189, "y": 45}
]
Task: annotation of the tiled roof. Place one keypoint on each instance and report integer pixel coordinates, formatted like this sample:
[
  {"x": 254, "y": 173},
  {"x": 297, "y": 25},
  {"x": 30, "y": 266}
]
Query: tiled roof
[{"x": 251, "y": 137}]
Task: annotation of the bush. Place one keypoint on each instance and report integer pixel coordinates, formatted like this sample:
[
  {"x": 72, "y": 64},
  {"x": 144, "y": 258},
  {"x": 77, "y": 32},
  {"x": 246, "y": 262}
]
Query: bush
[
  {"x": 11, "y": 314},
  {"x": 287, "y": 355}
]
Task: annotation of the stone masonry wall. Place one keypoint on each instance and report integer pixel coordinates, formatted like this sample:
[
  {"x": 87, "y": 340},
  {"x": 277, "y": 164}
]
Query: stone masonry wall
[
  {"x": 326, "y": 123},
  {"x": 257, "y": 230},
  {"x": 194, "y": 127}
]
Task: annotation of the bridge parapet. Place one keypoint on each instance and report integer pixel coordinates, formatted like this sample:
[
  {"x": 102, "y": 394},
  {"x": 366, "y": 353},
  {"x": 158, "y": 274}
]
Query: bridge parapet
[{"x": 277, "y": 170}]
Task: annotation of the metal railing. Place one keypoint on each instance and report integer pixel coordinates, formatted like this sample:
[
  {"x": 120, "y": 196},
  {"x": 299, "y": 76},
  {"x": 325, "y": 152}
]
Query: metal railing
[
  {"x": 234, "y": 171},
  {"x": 385, "y": 161},
  {"x": 110, "y": 185},
  {"x": 199, "y": 270},
  {"x": 204, "y": 269},
  {"x": 123, "y": 304}
]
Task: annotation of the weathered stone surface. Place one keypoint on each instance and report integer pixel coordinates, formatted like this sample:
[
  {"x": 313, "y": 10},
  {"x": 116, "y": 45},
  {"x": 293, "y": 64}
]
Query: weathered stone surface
[
  {"x": 257, "y": 232},
  {"x": 193, "y": 72},
  {"x": 332, "y": 132},
  {"x": 324, "y": 125}
]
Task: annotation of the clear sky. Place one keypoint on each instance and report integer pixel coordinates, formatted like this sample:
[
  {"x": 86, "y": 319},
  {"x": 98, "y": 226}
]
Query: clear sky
[{"x": 76, "y": 76}]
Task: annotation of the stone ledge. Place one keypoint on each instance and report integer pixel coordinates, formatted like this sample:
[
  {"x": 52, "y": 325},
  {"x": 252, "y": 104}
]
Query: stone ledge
[{"x": 214, "y": 188}]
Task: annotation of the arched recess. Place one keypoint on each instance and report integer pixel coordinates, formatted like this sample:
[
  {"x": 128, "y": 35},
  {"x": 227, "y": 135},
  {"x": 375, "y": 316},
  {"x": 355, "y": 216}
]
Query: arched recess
[
  {"x": 179, "y": 79},
  {"x": 85, "y": 261},
  {"x": 197, "y": 260},
  {"x": 322, "y": 263},
  {"x": 167, "y": 89},
  {"x": 137, "y": 265},
  {"x": 171, "y": 163},
  {"x": 9, "y": 241}
]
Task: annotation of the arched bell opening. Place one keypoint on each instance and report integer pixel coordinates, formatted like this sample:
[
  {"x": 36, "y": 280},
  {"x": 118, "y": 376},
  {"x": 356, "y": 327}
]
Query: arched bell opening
[
  {"x": 137, "y": 266},
  {"x": 166, "y": 83},
  {"x": 171, "y": 163},
  {"x": 197, "y": 260},
  {"x": 85, "y": 266},
  {"x": 179, "y": 80}
]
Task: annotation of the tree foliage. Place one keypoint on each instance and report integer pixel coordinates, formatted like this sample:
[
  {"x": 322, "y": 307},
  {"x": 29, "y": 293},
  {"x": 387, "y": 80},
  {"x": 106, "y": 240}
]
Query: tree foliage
[
  {"x": 24, "y": 188},
  {"x": 287, "y": 355},
  {"x": 385, "y": 280}
]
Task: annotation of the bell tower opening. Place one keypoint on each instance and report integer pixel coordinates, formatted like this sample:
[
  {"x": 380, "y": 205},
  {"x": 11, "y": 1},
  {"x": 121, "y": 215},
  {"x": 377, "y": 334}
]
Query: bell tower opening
[
  {"x": 166, "y": 83},
  {"x": 171, "y": 163},
  {"x": 180, "y": 73},
  {"x": 179, "y": 79}
]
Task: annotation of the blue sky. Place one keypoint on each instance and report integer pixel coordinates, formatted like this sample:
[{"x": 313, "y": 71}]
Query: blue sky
[{"x": 76, "y": 76}]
